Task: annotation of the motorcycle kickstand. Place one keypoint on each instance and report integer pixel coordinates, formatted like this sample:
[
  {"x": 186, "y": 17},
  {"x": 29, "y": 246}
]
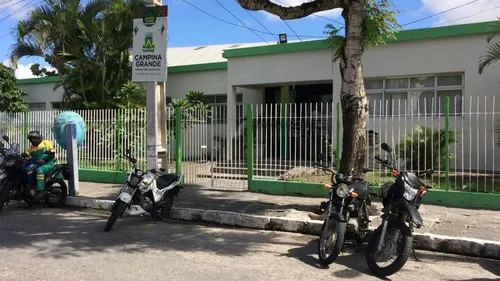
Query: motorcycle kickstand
[{"x": 415, "y": 254}]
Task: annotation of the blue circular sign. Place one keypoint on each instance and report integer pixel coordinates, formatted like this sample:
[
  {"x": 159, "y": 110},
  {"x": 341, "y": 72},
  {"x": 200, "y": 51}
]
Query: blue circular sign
[{"x": 59, "y": 128}]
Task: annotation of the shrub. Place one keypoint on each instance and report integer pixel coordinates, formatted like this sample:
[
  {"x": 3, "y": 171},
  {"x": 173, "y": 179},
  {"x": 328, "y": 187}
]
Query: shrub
[{"x": 424, "y": 148}]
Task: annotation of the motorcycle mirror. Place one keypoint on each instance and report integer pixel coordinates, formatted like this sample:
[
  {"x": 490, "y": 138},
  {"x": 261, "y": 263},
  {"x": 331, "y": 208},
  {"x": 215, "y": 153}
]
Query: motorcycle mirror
[
  {"x": 127, "y": 150},
  {"x": 429, "y": 172},
  {"x": 5, "y": 138},
  {"x": 386, "y": 147}
]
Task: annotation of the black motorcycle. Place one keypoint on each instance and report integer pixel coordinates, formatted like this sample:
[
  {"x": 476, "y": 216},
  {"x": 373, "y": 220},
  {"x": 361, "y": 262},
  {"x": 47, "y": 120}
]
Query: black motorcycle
[
  {"x": 347, "y": 214},
  {"x": 393, "y": 239},
  {"x": 15, "y": 187}
]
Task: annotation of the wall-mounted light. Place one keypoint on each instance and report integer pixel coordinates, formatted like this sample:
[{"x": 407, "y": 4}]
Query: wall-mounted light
[{"x": 283, "y": 38}]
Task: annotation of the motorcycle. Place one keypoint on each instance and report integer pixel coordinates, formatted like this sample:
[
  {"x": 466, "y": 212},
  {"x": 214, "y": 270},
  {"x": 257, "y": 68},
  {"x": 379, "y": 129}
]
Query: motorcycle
[
  {"x": 347, "y": 214},
  {"x": 149, "y": 191},
  {"x": 401, "y": 200},
  {"x": 15, "y": 187}
]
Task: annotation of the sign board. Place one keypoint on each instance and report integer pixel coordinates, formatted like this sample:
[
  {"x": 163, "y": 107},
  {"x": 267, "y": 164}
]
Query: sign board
[{"x": 149, "y": 60}]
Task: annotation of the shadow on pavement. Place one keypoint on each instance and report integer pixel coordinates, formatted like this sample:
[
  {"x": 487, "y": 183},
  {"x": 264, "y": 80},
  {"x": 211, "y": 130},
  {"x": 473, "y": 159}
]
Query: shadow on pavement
[
  {"x": 353, "y": 259},
  {"x": 61, "y": 233}
]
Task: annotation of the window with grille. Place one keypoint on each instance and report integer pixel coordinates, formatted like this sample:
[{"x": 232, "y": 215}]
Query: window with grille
[{"x": 415, "y": 95}]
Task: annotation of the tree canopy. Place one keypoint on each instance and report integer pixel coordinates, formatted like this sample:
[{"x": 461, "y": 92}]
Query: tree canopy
[{"x": 11, "y": 97}]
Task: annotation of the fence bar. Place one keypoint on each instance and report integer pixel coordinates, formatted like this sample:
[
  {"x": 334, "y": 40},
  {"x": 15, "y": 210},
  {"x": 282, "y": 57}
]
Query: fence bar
[
  {"x": 118, "y": 139},
  {"x": 337, "y": 155},
  {"x": 26, "y": 130},
  {"x": 250, "y": 143},
  {"x": 178, "y": 140},
  {"x": 447, "y": 144}
]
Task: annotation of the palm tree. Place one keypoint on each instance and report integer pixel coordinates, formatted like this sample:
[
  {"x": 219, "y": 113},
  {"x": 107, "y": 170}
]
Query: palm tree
[
  {"x": 104, "y": 66},
  {"x": 493, "y": 50},
  {"x": 88, "y": 44},
  {"x": 50, "y": 30}
]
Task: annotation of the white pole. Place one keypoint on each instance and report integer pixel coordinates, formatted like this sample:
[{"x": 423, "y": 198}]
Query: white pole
[
  {"x": 156, "y": 117},
  {"x": 71, "y": 149}
]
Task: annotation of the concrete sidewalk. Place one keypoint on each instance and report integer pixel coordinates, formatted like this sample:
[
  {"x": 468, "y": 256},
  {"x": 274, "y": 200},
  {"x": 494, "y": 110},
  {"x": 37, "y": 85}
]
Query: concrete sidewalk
[{"x": 478, "y": 224}]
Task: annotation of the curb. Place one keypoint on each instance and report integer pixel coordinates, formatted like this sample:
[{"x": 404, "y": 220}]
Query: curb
[{"x": 426, "y": 241}]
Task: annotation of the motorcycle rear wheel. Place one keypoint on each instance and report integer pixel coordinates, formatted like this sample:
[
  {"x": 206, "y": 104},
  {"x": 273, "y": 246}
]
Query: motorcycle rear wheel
[
  {"x": 119, "y": 208},
  {"x": 163, "y": 212},
  {"x": 334, "y": 227},
  {"x": 61, "y": 199},
  {"x": 4, "y": 196},
  {"x": 403, "y": 250}
]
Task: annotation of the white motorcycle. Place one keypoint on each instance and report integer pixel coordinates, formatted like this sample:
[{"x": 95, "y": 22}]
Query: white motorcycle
[{"x": 150, "y": 191}]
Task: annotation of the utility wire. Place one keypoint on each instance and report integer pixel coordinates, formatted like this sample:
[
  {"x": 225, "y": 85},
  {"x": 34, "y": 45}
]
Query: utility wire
[
  {"x": 22, "y": 8},
  {"x": 241, "y": 21},
  {"x": 442, "y": 12},
  {"x": 466, "y": 17},
  {"x": 239, "y": 25},
  {"x": 292, "y": 30},
  {"x": 248, "y": 12},
  {"x": 4, "y": 8}
]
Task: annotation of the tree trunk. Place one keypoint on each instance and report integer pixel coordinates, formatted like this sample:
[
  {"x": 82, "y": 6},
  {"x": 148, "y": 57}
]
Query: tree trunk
[{"x": 353, "y": 97}]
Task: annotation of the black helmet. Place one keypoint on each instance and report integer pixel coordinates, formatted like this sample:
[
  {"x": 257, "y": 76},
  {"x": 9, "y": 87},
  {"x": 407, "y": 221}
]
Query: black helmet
[{"x": 34, "y": 135}]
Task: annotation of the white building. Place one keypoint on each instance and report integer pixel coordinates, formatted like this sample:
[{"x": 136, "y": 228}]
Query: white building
[{"x": 420, "y": 63}]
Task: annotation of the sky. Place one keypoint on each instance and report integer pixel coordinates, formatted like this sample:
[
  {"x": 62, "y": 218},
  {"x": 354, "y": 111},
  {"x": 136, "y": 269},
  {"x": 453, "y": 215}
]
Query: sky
[{"x": 207, "y": 22}]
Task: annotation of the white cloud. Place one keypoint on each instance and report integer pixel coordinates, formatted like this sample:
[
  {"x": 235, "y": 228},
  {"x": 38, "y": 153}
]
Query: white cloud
[
  {"x": 24, "y": 71},
  {"x": 485, "y": 10},
  {"x": 16, "y": 9},
  {"x": 288, "y": 3}
]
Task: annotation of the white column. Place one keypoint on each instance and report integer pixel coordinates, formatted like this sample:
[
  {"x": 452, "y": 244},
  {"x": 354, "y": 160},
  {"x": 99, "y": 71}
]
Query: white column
[
  {"x": 231, "y": 120},
  {"x": 155, "y": 117}
]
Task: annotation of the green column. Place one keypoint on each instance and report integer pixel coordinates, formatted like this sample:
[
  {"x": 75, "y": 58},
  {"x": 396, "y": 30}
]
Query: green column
[
  {"x": 118, "y": 139},
  {"x": 285, "y": 130},
  {"x": 447, "y": 144},
  {"x": 339, "y": 132},
  {"x": 250, "y": 143},
  {"x": 178, "y": 140}
]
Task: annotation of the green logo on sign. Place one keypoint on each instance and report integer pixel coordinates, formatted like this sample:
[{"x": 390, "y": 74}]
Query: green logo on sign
[
  {"x": 149, "y": 18},
  {"x": 148, "y": 43}
]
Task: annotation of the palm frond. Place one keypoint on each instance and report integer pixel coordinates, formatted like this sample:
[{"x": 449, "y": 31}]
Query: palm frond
[{"x": 490, "y": 56}]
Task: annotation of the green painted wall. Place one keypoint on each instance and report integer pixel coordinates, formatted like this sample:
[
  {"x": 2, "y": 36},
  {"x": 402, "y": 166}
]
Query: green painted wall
[{"x": 458, "y": 199}]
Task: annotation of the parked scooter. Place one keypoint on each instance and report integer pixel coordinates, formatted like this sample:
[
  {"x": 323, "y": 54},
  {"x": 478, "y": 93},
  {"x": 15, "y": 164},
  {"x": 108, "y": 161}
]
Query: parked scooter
[
  {"x": 393, "y": 239},
  {"x": 347, "y": 214},
  {"x": 17, "y": 185},
  {"x": 149, "y": 191}
]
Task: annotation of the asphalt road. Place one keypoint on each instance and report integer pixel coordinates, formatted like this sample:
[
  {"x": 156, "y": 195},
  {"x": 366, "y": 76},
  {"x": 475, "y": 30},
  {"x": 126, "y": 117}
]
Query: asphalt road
[{"x": 69, "y": 244}]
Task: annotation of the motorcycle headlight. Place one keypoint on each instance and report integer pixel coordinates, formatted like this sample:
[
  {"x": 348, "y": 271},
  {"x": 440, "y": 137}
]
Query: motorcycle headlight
[
  {"x": 342, "y": 190},
  {"x": 410, "y": 192},
  {"x": 10, "y": 163}
]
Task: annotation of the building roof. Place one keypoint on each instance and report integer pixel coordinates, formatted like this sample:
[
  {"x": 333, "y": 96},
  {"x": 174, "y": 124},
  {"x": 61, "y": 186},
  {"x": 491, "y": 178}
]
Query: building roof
[
  {"x": 214, "y": 57},
  {"x": 202, "y": 54},
  {"x": 401, "y": 36}
]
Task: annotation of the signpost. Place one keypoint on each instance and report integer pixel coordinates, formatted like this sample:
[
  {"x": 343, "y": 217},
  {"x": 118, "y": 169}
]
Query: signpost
[{"x": 149, "y": 64}]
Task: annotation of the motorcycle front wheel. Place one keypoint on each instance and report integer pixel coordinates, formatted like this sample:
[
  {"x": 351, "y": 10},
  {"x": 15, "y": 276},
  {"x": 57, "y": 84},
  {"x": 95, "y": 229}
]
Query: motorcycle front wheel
[
  {"x": 118, "y": 210},
  {"x": 397, "y": 245},
  {"x": 331, "y": 240}
]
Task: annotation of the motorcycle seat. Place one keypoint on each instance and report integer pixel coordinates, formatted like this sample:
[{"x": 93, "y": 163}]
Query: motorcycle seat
[{"x": 166, "y": 180}]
